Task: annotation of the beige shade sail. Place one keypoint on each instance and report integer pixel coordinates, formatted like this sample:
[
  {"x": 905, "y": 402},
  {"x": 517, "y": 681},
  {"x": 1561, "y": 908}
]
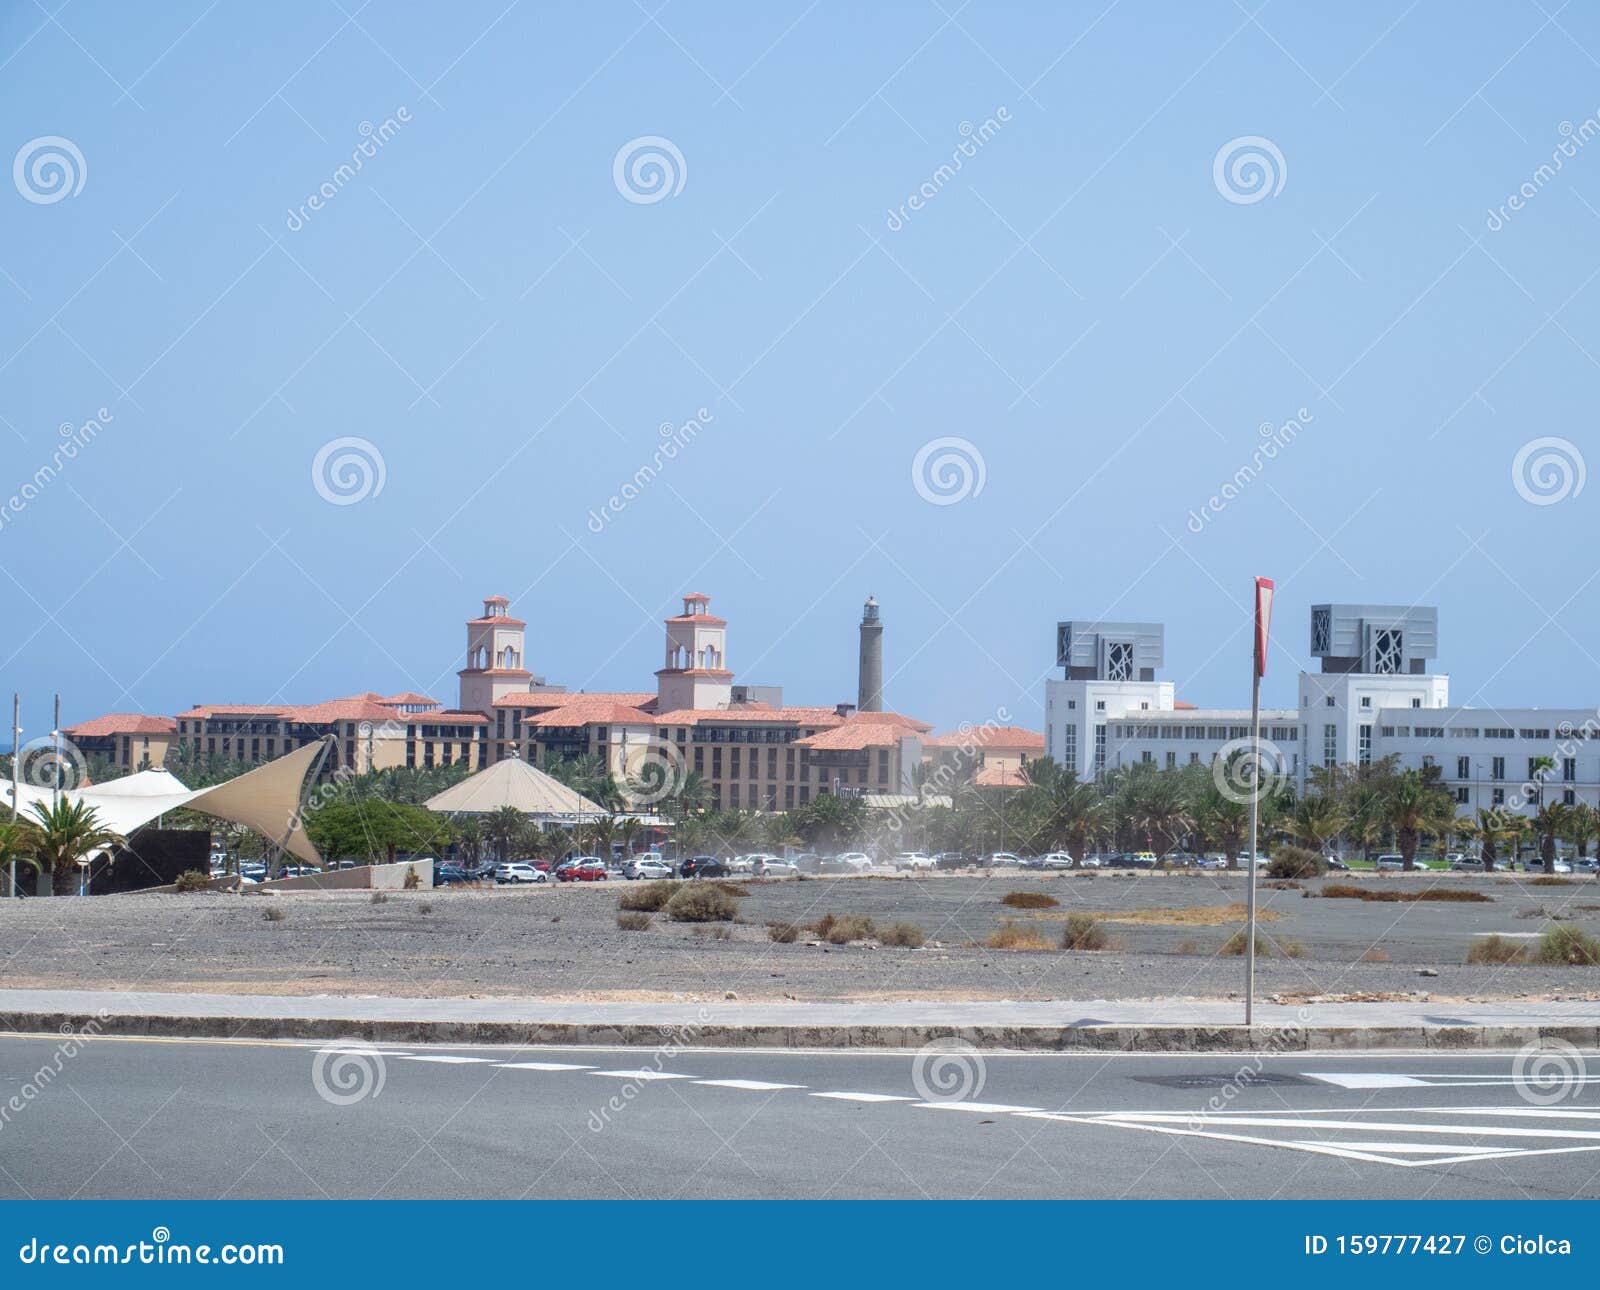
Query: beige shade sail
[
  {"x": 513, "y": 782},
  {"x": 266, "y": 799}
]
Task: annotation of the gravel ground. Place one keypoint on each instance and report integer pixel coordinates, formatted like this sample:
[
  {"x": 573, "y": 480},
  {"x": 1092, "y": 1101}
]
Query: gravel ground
[{"x": 563, "y": 942}]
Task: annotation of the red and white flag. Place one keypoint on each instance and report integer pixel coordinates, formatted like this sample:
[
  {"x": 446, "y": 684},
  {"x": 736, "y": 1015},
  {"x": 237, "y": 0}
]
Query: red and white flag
[{"x": 1264, "y": 591}]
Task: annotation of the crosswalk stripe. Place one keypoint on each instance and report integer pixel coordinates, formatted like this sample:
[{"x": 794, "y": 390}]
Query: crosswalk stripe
[
  {"x": 753, "y": 1085},
  {"x": 865, "y": 1097},
  {"x": 1367, "y": 1081},
  {"x": 541, "y": 1066},
  {"x": 441, "y": 1058},
  {"x": 640, "y": 1075},
  {"x": 985, "y": 1108}
]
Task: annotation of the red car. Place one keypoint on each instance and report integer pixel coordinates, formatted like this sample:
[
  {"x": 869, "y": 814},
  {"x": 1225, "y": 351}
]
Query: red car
[{"x": 588, "y": 869}]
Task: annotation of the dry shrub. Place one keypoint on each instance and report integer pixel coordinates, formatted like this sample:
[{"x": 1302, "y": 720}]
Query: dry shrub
[
  {"x": 1375, "y": 955},
  {"x": 273, "y": 913},
  {"x": 192, "y": 880},
  {"x": 701, "y": 903},
  {"x": 380, "y": 897},
  {"x": 738, "y": 890},
  {"x": 1186, "y": 947},
  {"x": 1197, "y": 916},
  {"x": 1014, "y": 936},
  {"x": 1388, "y": 895},
  {"x": 632, "y": 921},
  {"x": 1291, "y": 949},
  {"x": 1029, "y": 900},
  {"x": 1083, "y": 932},
  {"x": 783, "y": 933},
  {"x": 1567, "y": 945},
  {"x": 1549, "y": 880},
  {"x": 649, "y": 897},
  {"x": 1496, "y": 949},
  {"x": 1236, "y": 945},
  {"x": 1296, "y": 862},
  {"x": 717, "y": 932},
  {"x": 907, "y": 936},
  {"x": 841, "y": 929}
]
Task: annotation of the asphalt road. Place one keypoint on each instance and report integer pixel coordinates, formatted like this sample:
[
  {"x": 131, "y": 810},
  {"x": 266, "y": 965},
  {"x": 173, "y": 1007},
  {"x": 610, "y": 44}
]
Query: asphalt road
[{"x": 200, "y": 1119}]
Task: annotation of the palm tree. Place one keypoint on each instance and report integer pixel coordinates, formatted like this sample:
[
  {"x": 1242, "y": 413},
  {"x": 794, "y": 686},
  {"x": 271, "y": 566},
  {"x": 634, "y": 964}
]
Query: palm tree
[
  {"x": 1225, "y": 822},
  {"x": 65, "y": 833},
  {"x": 1549, "y": 822},
  {"x": 1583, "y": 823},
  {"x": 1412, "y": 807},
  {"x": 1317, "y": 820},
  {"x": 19, "y": 840},
  {"x": 502, "y": 827}
]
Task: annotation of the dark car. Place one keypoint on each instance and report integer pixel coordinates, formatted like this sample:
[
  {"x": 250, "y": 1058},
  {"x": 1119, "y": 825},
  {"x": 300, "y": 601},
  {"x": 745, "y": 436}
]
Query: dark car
[
  {"x": 950, "y": 860},
  {"x": 703, "y": 867},
  {"x": 445, "y": 874}
]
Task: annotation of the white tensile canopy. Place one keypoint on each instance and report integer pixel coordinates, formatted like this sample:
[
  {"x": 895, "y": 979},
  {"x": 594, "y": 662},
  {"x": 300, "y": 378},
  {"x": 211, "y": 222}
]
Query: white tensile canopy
[
  {"x": 266, "y": 799},
  {"x": 513, "y": 782}
]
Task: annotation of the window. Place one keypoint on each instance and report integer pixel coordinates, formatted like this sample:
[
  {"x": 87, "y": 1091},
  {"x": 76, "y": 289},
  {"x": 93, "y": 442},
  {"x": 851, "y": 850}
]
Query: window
[
  {"x": 1119, "y": 661},
  {"x": 1387, "y": 649},
  {"x": 1069, "y": 748},
  {"x": 1330, "y": 745},
  {"x": 1366, "y": 745},
  {"x": 1463, "y": 796},
  {"x": 1536, "y": 772},
  {"x": 1569, "y": 769},
  {"x": 1328, "y": 702},
  {"x": 1147, "y": 757},
  {"x": 1499, "y": 798},
  {"x": 1366, "y": 700},
  {"x": 1099, "y": 749},
  {"x": 1321, "y": 631},
  {"x": 1172, "y": 761},
  {"x": 1416, "y": 703},
  {"x": 1497, "y": 768},
  {"x": 1568, "y": 797},
  {"x": 1072, "y": 705},
  {"x": 1099, "y": 705},
  {"x": 1463, "y": 768}
]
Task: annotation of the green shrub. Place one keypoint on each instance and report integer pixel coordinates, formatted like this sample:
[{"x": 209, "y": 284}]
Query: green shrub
[
  {"x": 1496, "y": 949},
  {"x": 1083, "y": 932},
  {"x": 700, "y": 903},
  {"x": 1567, "y": 944},
  {"x": 1238, "y": 943},
  {"x": 783, "y": 933},
  {"x": 1029, "y": 900},
  {"x": 650, "y": 896},
  {"x": 901, "y": 935},
  {"x": 192, "y": 880},
  {"x": 841, "y": 929},
  {"x": 1296, "y": 862}
]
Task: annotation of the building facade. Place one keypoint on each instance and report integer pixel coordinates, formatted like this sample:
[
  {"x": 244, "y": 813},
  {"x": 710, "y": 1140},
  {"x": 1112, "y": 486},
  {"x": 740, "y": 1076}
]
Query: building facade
[{"x": 1374, "y": 694}]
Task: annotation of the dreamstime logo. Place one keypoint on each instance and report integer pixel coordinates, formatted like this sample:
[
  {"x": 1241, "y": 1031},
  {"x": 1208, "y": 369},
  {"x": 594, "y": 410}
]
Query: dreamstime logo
[
  {"x": 948, "y": 1070},
  {"x": 1549, "y": 470},
  {"x": 48, "y": 169},
  {"x": 973, "y": 138},
  {"x": 349, "y": 470},
  {"x": 674, "y": 440},
  {"x": 1274, "y": 440},
  {"x": 42, "y": 764},
  {"x": 948, "y": 470},
  {"x": 74, "y": 440},
  {"x": 382, "y": 730},
  {"x": 649, "y": 169},
  {"x": 1249, "y": 169},
  {"x": 652, "y": 771},
  {"x": 348, "y": 1072},
  {"x": 1245, "y": 769},
  {"x": 1548, "y": 1071},
  {"x": 373, "y": 137}
]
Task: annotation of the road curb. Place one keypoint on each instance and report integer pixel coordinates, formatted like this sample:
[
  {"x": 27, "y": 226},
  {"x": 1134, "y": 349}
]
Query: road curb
[{"x": 1176, "y": 1038}]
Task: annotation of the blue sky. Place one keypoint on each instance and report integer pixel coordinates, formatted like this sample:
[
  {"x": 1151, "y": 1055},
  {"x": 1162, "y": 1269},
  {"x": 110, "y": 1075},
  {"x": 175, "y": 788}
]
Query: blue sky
[{"x": 1102, "y": 320}]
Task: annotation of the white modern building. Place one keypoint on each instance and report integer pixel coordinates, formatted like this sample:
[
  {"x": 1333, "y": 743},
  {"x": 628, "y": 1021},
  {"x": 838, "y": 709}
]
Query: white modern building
[{"x": 1373, "y": 696}]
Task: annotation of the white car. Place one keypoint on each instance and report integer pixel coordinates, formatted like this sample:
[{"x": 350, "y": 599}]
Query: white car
[
  {"x": 857, "y": 860},
  {"x": 911, "y": 860},
  {"x": 1008, "y": 859},
  {"x": 751, "y": 863},
  {"x": 772, "y": 867},
  {"x": 519, "y": 872},
  {"x": 651, "y": 866},
  {"x": 1056, "y": 860},
  {"x": 1391, "y": 862}
]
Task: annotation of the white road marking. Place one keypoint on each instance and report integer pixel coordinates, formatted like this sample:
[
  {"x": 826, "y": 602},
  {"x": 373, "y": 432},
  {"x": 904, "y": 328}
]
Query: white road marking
[
  {"x": 441, "y": 1058},
  {"x": 983, "y": 1108},
  {"x": 640, "y": 1075},
  {"x": 754, "y": 1085},
  {"x": 865, "y": 1097},
  {"x": 1367, "y": 1081},
  {"x": 542, "y": 1066}
]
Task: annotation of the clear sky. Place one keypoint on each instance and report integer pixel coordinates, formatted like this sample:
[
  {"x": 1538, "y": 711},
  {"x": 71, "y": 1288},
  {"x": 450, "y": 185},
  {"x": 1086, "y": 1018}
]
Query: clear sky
[{"x": 1094, "y": 301}]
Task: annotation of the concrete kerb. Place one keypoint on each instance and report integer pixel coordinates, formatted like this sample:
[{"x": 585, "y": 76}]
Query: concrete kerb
[{"x": 1095, "y": 1038}]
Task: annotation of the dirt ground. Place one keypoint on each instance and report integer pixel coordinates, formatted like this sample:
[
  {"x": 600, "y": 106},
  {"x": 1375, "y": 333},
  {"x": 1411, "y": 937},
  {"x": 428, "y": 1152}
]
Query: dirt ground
[{"x": 563, "y": 942}]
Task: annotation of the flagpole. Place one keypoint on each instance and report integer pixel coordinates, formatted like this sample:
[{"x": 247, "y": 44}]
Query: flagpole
[{"x": 1255, "y": 813}]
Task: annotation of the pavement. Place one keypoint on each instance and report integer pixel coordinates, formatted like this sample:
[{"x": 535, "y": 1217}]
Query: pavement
[
  {"x": 1105, "y": 1025},
  {"x": 130, "y": 1117}
]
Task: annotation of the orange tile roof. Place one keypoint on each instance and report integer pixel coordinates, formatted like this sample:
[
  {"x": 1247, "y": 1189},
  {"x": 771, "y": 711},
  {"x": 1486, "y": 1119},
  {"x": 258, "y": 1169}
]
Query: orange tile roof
[
  {"x": 443, "y": 717},
  {"x": 892, "y": 719},
  {"x": 710, "y": 620},
  {"x": 206, "y": 710},
  {"x": 407, "y": 696},
  {"x": 1001, "y": 777},
  {"x": 750, "y": 712},
  {"x": 591, "y": 710},
  {"x": 557, "y": 699},
  {"x": 121, "y": 723},
  {"x": 855, "y": 735},
  {"x": 1007, "y": 737}
]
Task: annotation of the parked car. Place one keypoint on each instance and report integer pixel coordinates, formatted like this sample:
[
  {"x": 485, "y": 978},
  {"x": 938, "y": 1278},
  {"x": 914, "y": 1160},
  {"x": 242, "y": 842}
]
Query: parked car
[
  {"x": 1003, "y": 859},
  {"x": 913, "y": 860},
  {"x": 808, "y": 862},
  {"x": 951, "y": 860},
  {"x": 1588, "y": 864},
  {"x": 1212, "y": 861},
  {"x": 1181, "y": 859},
  {"x": 1391, "y": 861},
  {"x": 517, "y": 872},
  {"x": 445, "y": 875},
  {"x": 855, "y": 861},
  {"x": 1466, "y": 864},
  {"x": 703, "y": 867},
  {"x": 583, "y": 869},
  {"x": 1056, "y": 860},
  {"x": 1335, "y": 865},
  {"x": 651, "y": 866},
  {"x": 772, "y": 867}
]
